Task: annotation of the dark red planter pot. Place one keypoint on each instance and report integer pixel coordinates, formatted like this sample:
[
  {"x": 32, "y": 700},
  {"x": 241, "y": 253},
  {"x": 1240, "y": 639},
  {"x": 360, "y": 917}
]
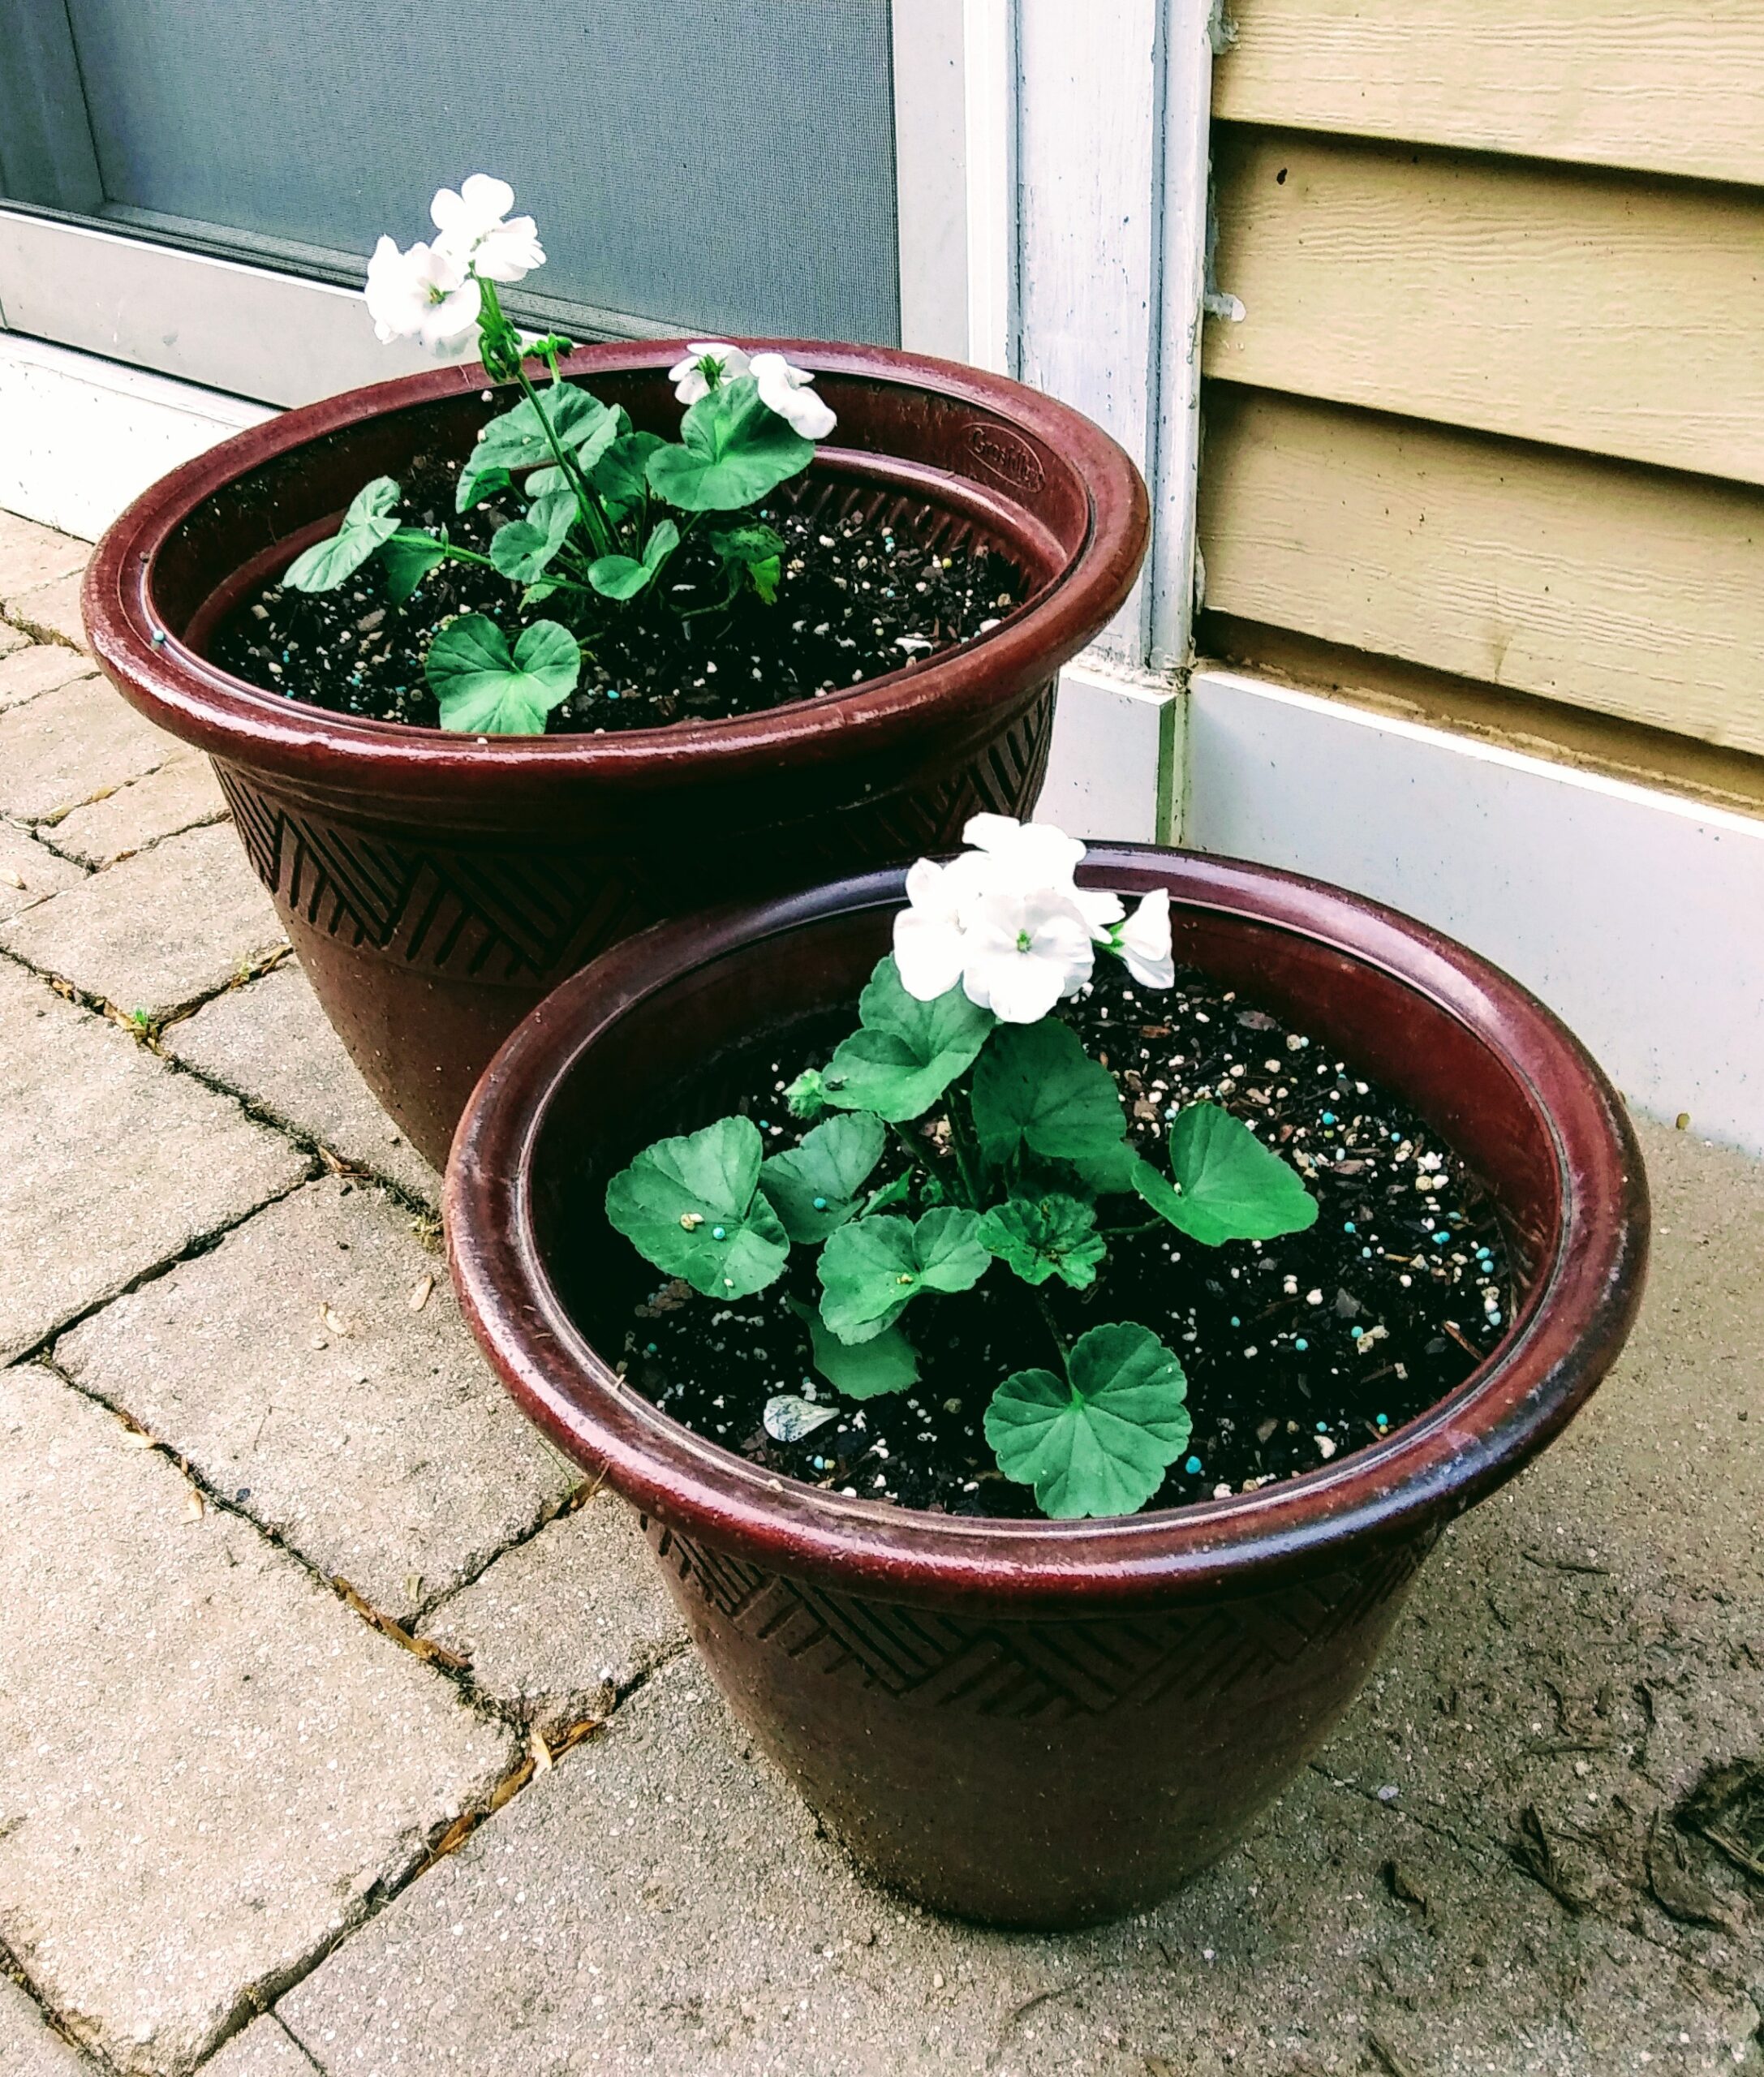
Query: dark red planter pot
[
  {"x": 436, "y": 886},
  {"x": 1041, "y": 1723}
]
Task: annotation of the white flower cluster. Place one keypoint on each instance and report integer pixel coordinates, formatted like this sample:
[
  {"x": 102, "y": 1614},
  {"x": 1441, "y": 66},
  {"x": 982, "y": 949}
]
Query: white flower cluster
[
  {"x": 1007, "y": 921},
  {"x": 783, "y": 389},
  {"x": 431, "y": 292}
]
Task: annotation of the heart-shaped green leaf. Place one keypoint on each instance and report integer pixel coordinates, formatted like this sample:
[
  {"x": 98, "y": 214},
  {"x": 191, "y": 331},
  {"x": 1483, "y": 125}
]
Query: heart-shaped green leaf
[
  {"x": 692, "y": 1206},
  {"x": 1050, "y": 1236},
  {"x": 483, "y": 691},
  {"x": 408, "y": 557},
  {"x": 1228, "y": 1185},
  {"x": 581, "y": 424},
  {"x": 368, "y": 524},
  {"x": 623, "y": 576},
  {"x": 621, "y": 475},
  {"x": 814, "y": 1187},
  {"x": 1037, "y": 1089},
  {"x": 908, "y": 1053},
  {"x": 866, "y": 1369},
  {"x": 523, "y": 549},
  {"x": 872, "y": 1268},
  {"x": 1100, "y": 1444},
  {"x": 732, "y": 450}
]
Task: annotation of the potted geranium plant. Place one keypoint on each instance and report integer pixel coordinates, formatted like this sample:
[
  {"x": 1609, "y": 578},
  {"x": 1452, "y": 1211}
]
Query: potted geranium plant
[
  {"x": 1041, "y": 1396},
  {"x": 493, "y": 675}
]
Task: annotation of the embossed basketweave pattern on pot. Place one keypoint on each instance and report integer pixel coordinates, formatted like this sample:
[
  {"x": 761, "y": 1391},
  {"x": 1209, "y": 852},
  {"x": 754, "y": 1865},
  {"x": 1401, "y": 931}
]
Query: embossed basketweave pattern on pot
[
  {"x": 523, "y": 915},
  {"x": 434, "y": 887}
]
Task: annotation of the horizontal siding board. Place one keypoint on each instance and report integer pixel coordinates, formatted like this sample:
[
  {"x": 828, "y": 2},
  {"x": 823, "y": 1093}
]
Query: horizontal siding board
[
  {"x": 1584, "y": 309},
  {"x": 1666, "y": 86},
  {"x": 1634, "y": 592}
]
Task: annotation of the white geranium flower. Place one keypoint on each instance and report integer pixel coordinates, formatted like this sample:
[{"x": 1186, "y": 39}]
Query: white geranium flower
[
  {"x": 787, "y": 391},
  {"x": 424, "y": 294},
  {"x": 1024, "y": 952},
  {"x": 688, "y": 376},
  {"x": 930, "y": 935},
  {"x": 477, "y": 229},
  {"x": 1143, "y": 941},
  {"x": 1037, "y": 854}
]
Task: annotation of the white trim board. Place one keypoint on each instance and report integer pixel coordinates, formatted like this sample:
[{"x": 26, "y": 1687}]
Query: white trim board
[
  {"x": 1638, "y": 916},
  {"x": 1117, "y": 749},
  {"x": 81, "y": 437}
]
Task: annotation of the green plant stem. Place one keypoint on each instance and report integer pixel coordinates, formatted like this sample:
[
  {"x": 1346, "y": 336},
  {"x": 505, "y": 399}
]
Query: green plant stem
[
  {"x": 1128, "y": 1233},
  {"x": 1053, "y": 1329},
  {"x": 586, "y": 503},
  {"x": 966, "y": 1149},
  {"x": 915, "y": 1152}
]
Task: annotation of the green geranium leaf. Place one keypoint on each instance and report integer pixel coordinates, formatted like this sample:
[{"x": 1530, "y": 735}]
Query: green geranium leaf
[
  {"x": 1228, "y": 1186},
  {"x": 872, "y": 1268},
  {"x": 732, "y": 450},
  {"x": 751, "y": 541},
  {"x": 1100, "y": 1444},
  {"x": 806, "y": 1096},
  {"x": 368, "y": 524},
  {"x": 908, "y": 1053},
  {"x": 885, "y": 1363},
  {"x": 483, "y": 691},
  {"x": 621, "y": 475},
  {"x": 522, "y": 549},
  {"x": 692, "y": 1206},
  {"x": 1037, "y": 1089},
  {"x": 623, "y": 576},
  {"x": 902, "y": 1187},
  {"x": 584, "y": 425},
  {"x": 765, "y": 576},
  {"x": 1050, "y": 1235},
  {"x": 407, "y": 557},
  {"x": 814, "y": 1188},
  {"x": 542, "y": 483}
]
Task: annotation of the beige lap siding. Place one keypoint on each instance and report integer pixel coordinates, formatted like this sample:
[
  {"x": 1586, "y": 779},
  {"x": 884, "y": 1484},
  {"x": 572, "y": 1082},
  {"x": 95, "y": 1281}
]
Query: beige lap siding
[{"x": 1496, "y": 404}]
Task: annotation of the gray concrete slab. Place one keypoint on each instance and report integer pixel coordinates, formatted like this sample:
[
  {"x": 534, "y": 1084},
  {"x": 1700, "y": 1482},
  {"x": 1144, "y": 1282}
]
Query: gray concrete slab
[
  {"x": 271, "y": 1043},
  {"x": 557, "y": 1627},
  {"x": 28, "y": 668},
  {"x": 110, "y": 1161},
  {"x": 182, "y": 795},
  {"x": 157, "y": 931},
  {"x": 207, "y": 1763},
  {"x": 31, "y": 555},
  {"x": 67, "y": 746},
  {"x": 30, "y": 2048},
  {"x": 288, "y": 1366},
  {"x": 30, "y": 872},
  {"x": 659, "y": 1902}
]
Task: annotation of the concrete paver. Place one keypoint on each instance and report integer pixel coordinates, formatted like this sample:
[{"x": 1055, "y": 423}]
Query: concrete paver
[
  {"x": 67, "y": 745},
  {"x": 31, "y": 555},
  {"x": 207, "y": 1763},
  {"x": 182, "y": 795},
  {"x": 264, "y": 2049},
  {"x": 30, "y": 872},
  {"x": 30, "y": 2048},
  {"x": 558, "y": 1627},
  {"x": 110, "y": 1161},
  {"x": 157, "y": 931},
  {"x": 287, "y": 1366},
  {"x": 271, "y": 1043},
  {"x": 50, "y": 612},
  {"x": 28, "y": 668}
]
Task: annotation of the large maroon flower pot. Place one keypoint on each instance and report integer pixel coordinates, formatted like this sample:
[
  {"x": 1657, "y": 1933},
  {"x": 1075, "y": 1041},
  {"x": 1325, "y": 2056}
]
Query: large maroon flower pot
[
  {"x": 436, "y": 886},
  {"x": 1041, "y": 1722}
]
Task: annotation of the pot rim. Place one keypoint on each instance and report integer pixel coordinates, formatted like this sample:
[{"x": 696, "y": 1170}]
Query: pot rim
[
  {"x": 1573, "y": 1321},
  {"x": 224, "y": 715}
]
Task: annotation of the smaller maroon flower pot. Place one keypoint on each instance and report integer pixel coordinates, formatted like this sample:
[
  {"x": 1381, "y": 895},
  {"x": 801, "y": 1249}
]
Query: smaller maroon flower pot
[
  {"x": 1043, "y": 1723},
  {"x": 436, "y": 886}
]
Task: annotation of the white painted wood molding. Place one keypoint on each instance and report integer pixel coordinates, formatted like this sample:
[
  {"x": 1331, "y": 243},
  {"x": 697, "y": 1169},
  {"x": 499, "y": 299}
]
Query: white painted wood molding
[{"x": 1636, "y": 915}]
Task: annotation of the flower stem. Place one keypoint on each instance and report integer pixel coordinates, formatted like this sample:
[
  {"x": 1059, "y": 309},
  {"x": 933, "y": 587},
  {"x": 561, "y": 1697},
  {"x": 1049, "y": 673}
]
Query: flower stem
[
  {"x": 508, "y": 340},
  {"x": 967, "y": 1152},
  {"x": 1053, "y": 1328}
]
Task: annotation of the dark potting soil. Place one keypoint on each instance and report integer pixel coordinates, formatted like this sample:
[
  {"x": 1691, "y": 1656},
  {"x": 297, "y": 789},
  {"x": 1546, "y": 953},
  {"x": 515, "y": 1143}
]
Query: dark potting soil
[
  {"x": 1297, "y": 1350},
  {"x": 855, "y": 599}
]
